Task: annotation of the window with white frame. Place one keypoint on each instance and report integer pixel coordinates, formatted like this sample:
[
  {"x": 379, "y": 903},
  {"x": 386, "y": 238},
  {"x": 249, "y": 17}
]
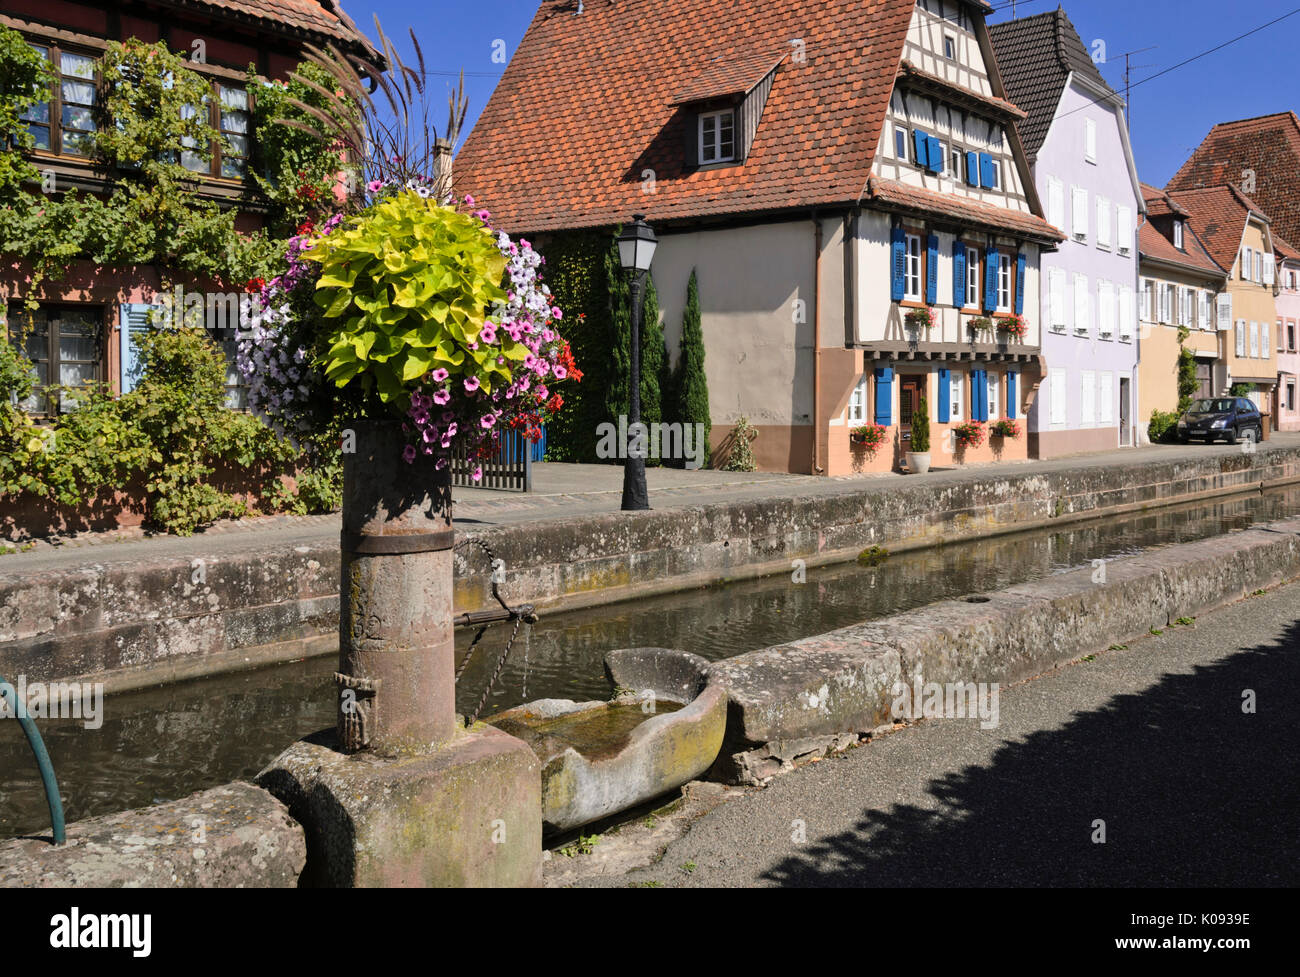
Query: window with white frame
[
  {"x": 1082, "y": 306},
  {"x": 1259, "y": 268},
  {"x": 956, "y": 390},
  {"x": 717, "y": 136},
  {"x": 996, "y": 170},
  {"x": 1148, "y": 294},
  {"x": 1106, "y": 397},
  {"x": 1004, "y": 283},
  {"x": 1056, "y": 396},
  {"x": 1087, "y": 398},
  {"x": 1268, "y": 269},
  {"x": 1103, "y": 223},
  {"x": 950, "y": 47},
  {"x": 1254, "y": 339},
  {"x": 1055, "y": 202},
  {"x": 1124, "y": 220},
  {"x": 1056, "y": 302},
  {"x": 858, "y": 402},
  {"x": 1203, "y": 318},
  {"x": 900, "y": 143},
  {"x": 972, "y": 278},
  {"x": 995, "y": 395},
  {"x": 1106, "y": 309},
  {"x": 1265, "y": 344},
  {"x": 1241, "y": 337},
  {"x": 1079, "y": 213},
  {"x": 1178, "y": 235},
  {"x": 1090, "y": 140},
  {"x": 912, "y": 276},
  {"x": 1127, "y": 314}
]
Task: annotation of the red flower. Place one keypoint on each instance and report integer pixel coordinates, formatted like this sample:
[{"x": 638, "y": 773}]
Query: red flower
[
  {"x": 254, "y": 285},
  {"x": 555, "y": 403},
  {"x": 306, "y": 227}
]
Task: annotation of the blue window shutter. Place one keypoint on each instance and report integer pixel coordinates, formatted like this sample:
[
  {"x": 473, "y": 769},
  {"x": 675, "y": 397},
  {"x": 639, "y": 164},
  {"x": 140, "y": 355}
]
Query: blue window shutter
[
  {"x": 1011, "y": 395},
  {"x": 959, "y": 273},
  {"x": 899, "y": 251},
  {"x": 935, "y": 154},
  {"x": 884, "y": 396},
  {"x": 991, "y": 261},
  {"x": 984, "y": 395},
  {"x": 921, "y": 142},
  {"x": 932, "y": 270},
  {"x": 134, "y": 322},
  {"x": 1020, "y": 283},
  {"x": 973, "y": 169},
  {"x": 945, "y": 396},
  {"x": 986, "y": 171}
]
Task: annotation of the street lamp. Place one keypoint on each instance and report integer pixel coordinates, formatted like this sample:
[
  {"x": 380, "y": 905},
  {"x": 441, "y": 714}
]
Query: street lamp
[{"x": 636, "y": 249}]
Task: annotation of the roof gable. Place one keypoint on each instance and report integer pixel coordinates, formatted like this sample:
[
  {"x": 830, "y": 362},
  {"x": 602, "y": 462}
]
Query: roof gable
[
  {"x": 1035, "y": 57},
  {"x": 1221, "y": 214},
  {"x": 1270, "y": 146},
  {"x": 582, "y": 130}
]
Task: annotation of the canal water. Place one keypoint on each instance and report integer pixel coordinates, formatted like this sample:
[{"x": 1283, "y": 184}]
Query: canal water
[{"x": 161, "y": 744}]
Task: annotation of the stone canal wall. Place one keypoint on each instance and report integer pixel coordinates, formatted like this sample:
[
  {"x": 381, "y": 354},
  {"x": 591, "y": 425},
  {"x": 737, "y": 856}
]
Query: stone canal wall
[
  {"x": 815, "y": 695},
  {"x": 144, "y": 622}
]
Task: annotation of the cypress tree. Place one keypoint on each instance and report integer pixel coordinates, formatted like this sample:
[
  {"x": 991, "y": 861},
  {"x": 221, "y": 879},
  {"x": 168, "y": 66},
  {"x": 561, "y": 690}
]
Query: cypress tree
[
  {"x": 620, "y": 337},
  {"x": 693, "y": 394},
  {"x": 652, "y": 352}
]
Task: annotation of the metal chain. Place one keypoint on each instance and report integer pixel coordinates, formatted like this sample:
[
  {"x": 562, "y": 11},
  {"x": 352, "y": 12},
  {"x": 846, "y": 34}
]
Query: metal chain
[{"x": 501, "y": 662}]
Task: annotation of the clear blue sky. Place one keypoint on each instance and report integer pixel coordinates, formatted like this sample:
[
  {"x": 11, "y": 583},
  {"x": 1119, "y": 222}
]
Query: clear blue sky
[{"x": 1171, "y": 114}]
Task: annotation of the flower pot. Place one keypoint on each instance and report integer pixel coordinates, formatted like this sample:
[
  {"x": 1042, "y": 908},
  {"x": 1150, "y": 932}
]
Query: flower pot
[{"x": 918, "y": 462}]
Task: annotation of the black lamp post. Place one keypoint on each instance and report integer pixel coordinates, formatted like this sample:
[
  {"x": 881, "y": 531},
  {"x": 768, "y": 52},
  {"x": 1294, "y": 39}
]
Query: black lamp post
[{"x": 636, "y": 249}]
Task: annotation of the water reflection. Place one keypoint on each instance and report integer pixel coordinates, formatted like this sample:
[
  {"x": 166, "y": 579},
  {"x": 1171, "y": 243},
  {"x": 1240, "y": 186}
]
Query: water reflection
[{"x": 164, "y": 743}]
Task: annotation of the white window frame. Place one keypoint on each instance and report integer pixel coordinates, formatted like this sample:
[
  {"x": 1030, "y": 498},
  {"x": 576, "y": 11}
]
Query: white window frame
[
  {"x": 1006, "y": 285},
  {"x": 1082, "y": 306},
  {"x": 1105, "y": 398},
  {"x": 1179, "y": 240},
  {"x": 1057, "y": 398},
  {"x": 995, "y": 396},
  {"x": 1090, "y": 140},
  {"x": 913, "y": 261},
  {"x": 1056, "y": 299},
  {"x": 857, "y": 413},
  {"x": 1056, "y": 202},
  {"x": 1254, "y": 339},
  {"x": 1079, "y": 214},
  {"x": 972, "y": 278},
  {"x": 717, "y": 118},
  {"x": 1127, "y": 314},
  {"x": 1240, "y": 344},
  {"x": 1265, "y": 343},
  {"x": 1103, "y": 224},
  {"x": 1124, "y": 222},
  {"x": 956, "y": 397},
  {"x": 1088, "y": 398},
  {"x": 1106, "y": 309}
]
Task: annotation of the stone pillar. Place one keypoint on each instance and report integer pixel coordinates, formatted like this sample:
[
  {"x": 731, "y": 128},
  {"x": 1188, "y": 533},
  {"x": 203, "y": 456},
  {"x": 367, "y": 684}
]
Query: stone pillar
[{"x": 397, "y": 690}]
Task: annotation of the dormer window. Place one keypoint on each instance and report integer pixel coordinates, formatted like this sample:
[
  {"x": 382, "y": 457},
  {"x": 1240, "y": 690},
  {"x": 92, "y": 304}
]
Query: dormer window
[
  {"x": 1178, "y": 235},
  {"x": 717, "y": 136}
]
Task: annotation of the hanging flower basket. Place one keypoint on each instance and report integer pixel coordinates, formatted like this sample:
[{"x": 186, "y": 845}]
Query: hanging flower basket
[
  {"x": 1013, "y": 325},
  {"x": 869, "y": 437},
  {"x": 979, "y": 324},
  {"x": 1004, "y": 429},
  {"x": 969, "y": 435},
  {"x": 920, "y": 318}
]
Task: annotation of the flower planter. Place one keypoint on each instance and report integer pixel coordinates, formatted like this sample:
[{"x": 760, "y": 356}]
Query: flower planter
[{"x": 918, "y": 462}]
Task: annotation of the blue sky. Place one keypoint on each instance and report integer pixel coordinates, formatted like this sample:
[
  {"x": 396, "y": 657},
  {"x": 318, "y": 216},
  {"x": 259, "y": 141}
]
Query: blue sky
[{"x": 1171, "y": 114}]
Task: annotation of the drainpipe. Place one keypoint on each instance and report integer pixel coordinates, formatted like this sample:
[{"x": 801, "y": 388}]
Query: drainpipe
[{"x": 817, "y": 468}]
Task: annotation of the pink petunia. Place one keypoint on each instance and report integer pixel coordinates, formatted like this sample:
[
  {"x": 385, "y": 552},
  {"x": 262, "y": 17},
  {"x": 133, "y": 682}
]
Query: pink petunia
[
  {"x": 408, "y": 453},
  {"x": 439, "y": 375},
  {"x": 559, "y": 371},
  {"x": 488, "y": 333},
  {"x": 442, "y": 397},
  {"x": 471, "y": 384},
  {"x": 487, "y": 421}
]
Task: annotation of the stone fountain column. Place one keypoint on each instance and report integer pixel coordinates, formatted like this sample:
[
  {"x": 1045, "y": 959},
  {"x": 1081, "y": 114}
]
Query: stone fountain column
[{"x": 399, "y": 793}]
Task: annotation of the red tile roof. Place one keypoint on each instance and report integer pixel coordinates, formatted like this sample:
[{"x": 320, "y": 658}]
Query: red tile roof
[
  {"x": 582, "y": 111},
  {"x": 324, "y": 18},
  {"x": 1153, "y": 244},
  {"x": 728, "y": 76},
  {"x": 1284, "y": 249},
  {"x": 998, "y": 107},
  {"x": 1220, "y": 214},
  {"x": 1269, "y": 145},
  {"x": 892, "y": 195}
]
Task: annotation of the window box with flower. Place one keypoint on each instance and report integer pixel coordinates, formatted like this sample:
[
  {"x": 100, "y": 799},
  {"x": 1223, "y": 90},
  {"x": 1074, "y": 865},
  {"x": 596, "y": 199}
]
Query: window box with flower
[
  {"x": 969, "y": 435},
  {"x": 1013, "y": 325},
  {"x": 918, "y": 319},
  {"x": 977, "y": 325},
  {"x": 869, "y": 437},
  {"x": 1004, "y": 429}
]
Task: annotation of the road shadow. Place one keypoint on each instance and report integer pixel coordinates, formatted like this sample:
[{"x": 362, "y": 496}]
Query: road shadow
[{"x": 1193, "y": 792}]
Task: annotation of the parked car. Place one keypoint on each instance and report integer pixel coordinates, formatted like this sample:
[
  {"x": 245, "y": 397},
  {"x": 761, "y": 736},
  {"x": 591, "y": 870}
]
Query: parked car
[{"x": 1231, "y": 418}]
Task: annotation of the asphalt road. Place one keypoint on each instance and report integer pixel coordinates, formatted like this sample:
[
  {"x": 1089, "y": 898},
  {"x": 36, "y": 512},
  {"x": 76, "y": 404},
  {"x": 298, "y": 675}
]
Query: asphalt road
[{"x": 1152, "y": 740}]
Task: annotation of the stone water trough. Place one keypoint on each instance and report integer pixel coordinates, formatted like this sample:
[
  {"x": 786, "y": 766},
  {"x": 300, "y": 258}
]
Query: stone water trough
[{"x": 663, "y": 729}]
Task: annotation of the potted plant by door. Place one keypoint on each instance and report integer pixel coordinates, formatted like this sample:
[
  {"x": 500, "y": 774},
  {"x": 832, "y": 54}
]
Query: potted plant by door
[{"x": 918, "y": 459}]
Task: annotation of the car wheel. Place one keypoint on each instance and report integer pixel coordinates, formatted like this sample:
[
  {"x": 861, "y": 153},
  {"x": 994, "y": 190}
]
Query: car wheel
[{"x": 1233, "y": 436}]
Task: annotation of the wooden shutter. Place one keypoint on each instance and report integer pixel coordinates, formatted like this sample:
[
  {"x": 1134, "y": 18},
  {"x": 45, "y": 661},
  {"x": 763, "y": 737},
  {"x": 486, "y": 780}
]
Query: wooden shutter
[
  {"x": 884, "y": 396},
  {"x": 1224, "y": 309},
  {"x": 899, "y": 270},
  {"x": 920, "y": 142},
  {"x": 935, "y": 154},
  {"x": 1125, "y": 221},
  {"x": 1055, "y": 202},
  {"x": 1020, "y": 283},
  {"x": 958, "y": 273},
  {"x": 986, "y": 171},
  {"x": 1011, "y": 395},
  {"x": 134, "y": 323},
  {"x": 991, "y": 260},
  {"x": 1079, "y": 214},
  {"x": 1081, "y": 318},
  {"x": 945, "y": 396},
  {"x": 932, "y": 270},
  {"x": 973, "y": 169}
]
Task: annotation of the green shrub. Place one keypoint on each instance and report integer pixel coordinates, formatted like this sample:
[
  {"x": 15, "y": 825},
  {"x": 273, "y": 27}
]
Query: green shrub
[
  {"x": 921, "y": 428},
  {"x": 1163, "y": 427},
  {"x": 693, "y": 396}
]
